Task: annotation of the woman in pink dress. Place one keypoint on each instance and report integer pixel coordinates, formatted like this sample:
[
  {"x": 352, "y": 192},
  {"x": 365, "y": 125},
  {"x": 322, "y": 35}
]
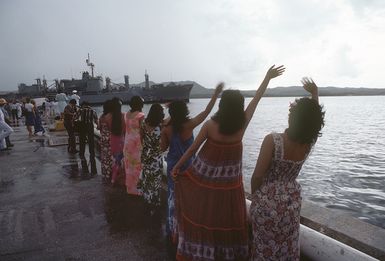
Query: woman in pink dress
[
  {"x": 117, "y": 127},
  {"x": 133, "y": 145},
  {"x": 276, "y": 195}
]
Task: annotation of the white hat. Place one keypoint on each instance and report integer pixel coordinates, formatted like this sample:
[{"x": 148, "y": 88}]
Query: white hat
[{"x": 74, "y": 91}]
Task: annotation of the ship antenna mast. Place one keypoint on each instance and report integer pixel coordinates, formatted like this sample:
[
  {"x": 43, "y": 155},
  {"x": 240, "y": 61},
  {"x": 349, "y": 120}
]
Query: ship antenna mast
[{"x": 88, "y": 61}]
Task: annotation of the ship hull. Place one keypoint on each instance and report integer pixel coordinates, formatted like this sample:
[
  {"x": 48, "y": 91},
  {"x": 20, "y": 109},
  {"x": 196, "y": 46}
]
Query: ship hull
[{"x": 153, "y": 94}]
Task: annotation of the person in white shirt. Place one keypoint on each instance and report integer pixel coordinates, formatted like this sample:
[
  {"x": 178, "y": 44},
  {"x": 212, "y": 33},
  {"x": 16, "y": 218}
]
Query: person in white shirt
[
  {"x": 29, "y": 116},
  {"x": 5, "y": 129},
  {"x": 75, "y": 97},
  {"x": 15, "y": 112},
  {"x": 61, "y": 99}
]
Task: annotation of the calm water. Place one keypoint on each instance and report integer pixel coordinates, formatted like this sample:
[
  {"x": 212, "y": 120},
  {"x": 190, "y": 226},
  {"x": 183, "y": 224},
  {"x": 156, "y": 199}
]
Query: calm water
[{"x": 346, "y": 169}]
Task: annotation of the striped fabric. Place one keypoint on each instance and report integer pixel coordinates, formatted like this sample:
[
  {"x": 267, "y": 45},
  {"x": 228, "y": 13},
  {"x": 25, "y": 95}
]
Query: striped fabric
[{"x": 86, "y": 115}]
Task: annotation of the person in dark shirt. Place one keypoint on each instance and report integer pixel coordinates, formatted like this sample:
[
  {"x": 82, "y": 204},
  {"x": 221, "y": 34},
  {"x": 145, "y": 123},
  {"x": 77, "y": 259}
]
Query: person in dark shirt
[
  {"x": 69, "y": 112},
  {"x": 86, "y": 116}
]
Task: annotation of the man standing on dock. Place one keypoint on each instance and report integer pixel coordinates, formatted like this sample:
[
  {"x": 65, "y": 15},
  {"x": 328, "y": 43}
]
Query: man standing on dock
[
  {"x": 87, "y": 117},
  {"x": 69, "y": 113}
]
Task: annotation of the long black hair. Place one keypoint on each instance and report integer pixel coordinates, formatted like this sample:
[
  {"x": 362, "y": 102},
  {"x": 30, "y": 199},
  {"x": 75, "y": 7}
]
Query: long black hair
[
  {"x": 230, "y": 115},
  {"x": 106, "y": 106},
  {"x": 155, "y": 115},
  {"x": 136, "y": 103},
  {"x": 116, "y": 112},
  {"x": 179, "y": 114},
  {"x": 306, "y": 119}
]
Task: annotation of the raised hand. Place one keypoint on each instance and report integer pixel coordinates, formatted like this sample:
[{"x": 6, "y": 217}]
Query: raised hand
[
  {"x": 275, "y": 71},
  {"x": 219, "y": 88},
  {"x": 309, "y": 85}
]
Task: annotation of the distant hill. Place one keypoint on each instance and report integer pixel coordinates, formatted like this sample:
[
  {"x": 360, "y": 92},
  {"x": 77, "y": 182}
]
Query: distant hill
[{"x": 198, "y": 91}]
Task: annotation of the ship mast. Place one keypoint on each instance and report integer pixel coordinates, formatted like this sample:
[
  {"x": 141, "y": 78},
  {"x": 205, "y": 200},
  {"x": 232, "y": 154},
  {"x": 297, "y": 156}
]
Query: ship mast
[{"x": 88, "y": 61}]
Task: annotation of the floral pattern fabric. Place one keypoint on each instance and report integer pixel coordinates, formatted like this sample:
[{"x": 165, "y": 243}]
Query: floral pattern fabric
[
  {"x": 275, "y": 209},
  {"x": 152, "y": 164},
  {"x": 132, "y": 151},
  {"x": 105, "y": 151}
]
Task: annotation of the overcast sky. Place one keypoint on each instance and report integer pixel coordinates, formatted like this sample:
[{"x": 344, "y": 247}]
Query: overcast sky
[{"x": 337, "y": 42}]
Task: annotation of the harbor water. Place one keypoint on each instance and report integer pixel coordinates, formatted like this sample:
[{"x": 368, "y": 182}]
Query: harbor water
[{"x": 346, "y": 169}]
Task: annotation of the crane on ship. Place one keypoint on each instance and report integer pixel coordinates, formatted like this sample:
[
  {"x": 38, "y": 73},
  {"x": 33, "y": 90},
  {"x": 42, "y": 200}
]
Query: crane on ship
[{"x": 88, "y": 61}]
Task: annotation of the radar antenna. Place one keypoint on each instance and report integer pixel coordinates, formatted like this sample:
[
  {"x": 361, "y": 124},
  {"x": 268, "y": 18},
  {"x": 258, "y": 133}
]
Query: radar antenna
[{"x": 88, "y": 61}]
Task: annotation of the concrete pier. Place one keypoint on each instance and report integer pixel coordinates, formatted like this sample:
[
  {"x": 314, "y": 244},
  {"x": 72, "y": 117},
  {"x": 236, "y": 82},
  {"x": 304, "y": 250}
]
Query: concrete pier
[{"x": 49, "y": 211}]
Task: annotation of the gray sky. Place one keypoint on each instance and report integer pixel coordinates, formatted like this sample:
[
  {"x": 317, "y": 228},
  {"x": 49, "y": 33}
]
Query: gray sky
[{"x": 338, "y": 43}]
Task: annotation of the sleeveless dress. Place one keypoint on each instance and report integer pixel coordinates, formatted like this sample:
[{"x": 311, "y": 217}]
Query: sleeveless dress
[
  {"x": 117, "y": 145},
  {"x": 105, "y": 150},
  {"x": 211, "y": 207},
  {"x": 176, "y": 150},
  {"x": 132, "y": 152},
  {"x": 152, "y": 166},
  {"x": 275, "y": 209}
]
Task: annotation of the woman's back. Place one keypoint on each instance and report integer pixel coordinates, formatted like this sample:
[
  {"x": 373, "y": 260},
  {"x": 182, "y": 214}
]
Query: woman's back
[
  {"x": 132, "y": 122},
  {"x": 214, "y": 133},
  {"x": 286, "y": 162}
]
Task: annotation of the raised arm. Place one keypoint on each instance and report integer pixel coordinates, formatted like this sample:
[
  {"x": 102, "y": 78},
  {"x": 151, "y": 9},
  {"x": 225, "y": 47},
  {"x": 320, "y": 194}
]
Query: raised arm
[
  {"x": 203, "y": 115},
  {"x": 263, "y": 163},
  {"x": 310, "y": 86},
  {"x": 202, "y": 136},
  {"x": 271, "y": 73}
]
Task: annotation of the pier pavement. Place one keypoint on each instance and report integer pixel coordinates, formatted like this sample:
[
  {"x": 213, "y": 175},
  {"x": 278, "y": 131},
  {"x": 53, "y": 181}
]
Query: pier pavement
[{"x": 49, "y": 211}]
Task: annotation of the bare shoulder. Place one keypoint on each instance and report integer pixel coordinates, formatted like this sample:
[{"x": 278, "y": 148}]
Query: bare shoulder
[{"x": 269, "y": 139}]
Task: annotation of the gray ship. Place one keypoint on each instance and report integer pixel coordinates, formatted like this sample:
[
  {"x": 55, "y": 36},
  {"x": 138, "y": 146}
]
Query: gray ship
[{"x": 91, "y": 89}]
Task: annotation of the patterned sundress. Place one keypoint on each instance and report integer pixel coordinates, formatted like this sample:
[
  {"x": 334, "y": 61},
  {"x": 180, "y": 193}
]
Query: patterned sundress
[
  {"x": 211, "y": 207},
  {"x": 117, "y": 146},
  {"x": 176, "y": 150},
  {"x": 105, "y": 150},
  {"x": 152, "y": 166},
  {"x": 275, "y": 209},
  {"x": 132, "y": 152}
]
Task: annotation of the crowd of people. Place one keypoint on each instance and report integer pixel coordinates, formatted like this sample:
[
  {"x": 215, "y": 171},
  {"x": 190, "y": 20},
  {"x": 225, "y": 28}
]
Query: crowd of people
[
  {"x": 206, "y": 210},
  {"x": 12, "y": 113}
]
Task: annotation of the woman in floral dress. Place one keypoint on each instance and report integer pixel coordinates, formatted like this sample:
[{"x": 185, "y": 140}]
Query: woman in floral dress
[
  {"x": 276, "y": 195},
  {"x": 105, "y": 149},
  {"x": 133, "y": 145},
  {"x": 152, "y": 159}
]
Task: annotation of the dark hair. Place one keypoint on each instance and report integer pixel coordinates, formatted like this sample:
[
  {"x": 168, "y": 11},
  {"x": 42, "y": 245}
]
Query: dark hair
[
  {"x": 107, "y": 107},
  {"x": 136, "y": 103},
  {"x": 306, "y": 119},
  {"x": 116, "y": 111},
  {"x": 155, "y": 115},
  {"x": 85, "y": 103},
  {"x": 230, "y": 115},
  {"x": 72, "y": 101},
  {"x": 179, "y": 114}
]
